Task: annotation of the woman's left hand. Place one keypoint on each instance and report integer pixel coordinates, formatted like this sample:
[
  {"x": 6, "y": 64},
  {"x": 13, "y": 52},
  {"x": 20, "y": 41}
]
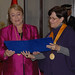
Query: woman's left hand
[
  {"x": 28, "y": 55},
  {"x": 53, "y": 46}
]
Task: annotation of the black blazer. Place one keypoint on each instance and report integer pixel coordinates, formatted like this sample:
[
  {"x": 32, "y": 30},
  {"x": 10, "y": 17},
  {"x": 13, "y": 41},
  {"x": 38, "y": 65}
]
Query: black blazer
[{"x": 71, "y": 22}]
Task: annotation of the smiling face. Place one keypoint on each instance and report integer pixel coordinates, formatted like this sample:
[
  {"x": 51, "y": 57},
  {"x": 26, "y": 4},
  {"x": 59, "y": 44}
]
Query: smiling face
[
  {"x": 54, "y": 20},
  {"x": 16, "y": 17}
]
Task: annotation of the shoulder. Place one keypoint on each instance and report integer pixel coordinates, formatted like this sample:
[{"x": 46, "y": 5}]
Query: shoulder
[
  {"x": 47, "y": 35},
  {"x": 69, "y": 31},
  {"x": 72, "y": 18},
  {"x": 30, "y": 27},
  {"x": 6, "y": 29}
]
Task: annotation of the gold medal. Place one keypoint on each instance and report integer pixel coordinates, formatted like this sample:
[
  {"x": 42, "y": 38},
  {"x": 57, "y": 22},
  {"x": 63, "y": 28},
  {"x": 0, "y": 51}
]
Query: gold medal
[{"x": 51, "y": 56}]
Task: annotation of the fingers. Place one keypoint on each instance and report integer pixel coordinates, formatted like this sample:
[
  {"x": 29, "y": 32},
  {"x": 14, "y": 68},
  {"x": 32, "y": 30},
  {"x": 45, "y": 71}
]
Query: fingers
[
  {"x": 51, "y": 44},
  {"x": 9, "y": 53},
  {"x": 27, "y": 54},
  {"x": 35, "y": 53},
  {"x": 53, "y": 47}
]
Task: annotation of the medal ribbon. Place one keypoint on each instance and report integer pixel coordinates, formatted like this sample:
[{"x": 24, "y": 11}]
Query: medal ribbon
[
  {"x": 52, "y": 56},
  {"x": 58, "y": 34}
]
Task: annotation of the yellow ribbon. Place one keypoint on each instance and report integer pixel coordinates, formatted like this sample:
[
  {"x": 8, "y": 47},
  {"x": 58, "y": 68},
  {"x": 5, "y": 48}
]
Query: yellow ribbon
[{"x": 58, "y": 34}]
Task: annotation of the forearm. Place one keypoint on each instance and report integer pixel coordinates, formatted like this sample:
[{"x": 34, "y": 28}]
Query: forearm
[
  {"x": 2, "y": 57},
  {"x": 38, "y": 57}
]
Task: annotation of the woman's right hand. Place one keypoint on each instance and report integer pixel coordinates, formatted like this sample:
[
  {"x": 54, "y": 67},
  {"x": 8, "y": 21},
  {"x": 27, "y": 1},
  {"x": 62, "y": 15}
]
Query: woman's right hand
[{"x": 9, "y": 53}]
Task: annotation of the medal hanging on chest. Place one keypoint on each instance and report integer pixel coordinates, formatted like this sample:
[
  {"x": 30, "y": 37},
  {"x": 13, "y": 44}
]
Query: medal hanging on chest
[{"x": 52, "y": 55}]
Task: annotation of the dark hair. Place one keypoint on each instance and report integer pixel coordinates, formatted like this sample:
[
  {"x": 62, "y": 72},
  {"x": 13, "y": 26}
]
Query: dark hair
[
  {"x": 16, "y": 7},
  {"x": 60, "y": 12},
  {"x": 67, "y": 6}
]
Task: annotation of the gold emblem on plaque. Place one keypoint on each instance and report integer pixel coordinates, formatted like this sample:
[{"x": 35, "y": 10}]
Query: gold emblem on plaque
[{"x": 51, "y": 56}]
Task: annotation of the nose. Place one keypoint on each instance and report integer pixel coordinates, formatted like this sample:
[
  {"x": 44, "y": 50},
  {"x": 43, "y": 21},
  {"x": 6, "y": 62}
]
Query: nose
[
  {"x": 51, "y": 20},
  {"x": 16, "y": 16}
]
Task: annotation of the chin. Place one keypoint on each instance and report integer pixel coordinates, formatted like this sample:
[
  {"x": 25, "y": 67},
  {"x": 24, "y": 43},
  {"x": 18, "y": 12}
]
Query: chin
[{"x": 52, "y": 26}]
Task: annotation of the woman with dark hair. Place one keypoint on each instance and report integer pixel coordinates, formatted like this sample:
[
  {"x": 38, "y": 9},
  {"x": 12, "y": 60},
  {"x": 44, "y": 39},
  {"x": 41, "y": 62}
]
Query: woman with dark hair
[
  {"x": 60, "y": 60},
  {"x": 17, "y": 64}
]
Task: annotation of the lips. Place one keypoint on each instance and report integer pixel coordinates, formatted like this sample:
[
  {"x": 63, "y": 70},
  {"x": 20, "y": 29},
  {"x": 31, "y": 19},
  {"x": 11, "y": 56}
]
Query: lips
[{"x": 16, "y": 20}]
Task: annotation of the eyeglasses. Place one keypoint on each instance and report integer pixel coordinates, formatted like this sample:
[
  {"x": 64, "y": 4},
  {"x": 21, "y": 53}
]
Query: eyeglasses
[{"x": 52, "y": 18}]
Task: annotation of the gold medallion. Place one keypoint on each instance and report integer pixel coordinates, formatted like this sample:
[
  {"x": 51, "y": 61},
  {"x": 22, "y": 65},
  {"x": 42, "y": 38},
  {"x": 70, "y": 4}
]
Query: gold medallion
[{"x": 51, "y": 56}]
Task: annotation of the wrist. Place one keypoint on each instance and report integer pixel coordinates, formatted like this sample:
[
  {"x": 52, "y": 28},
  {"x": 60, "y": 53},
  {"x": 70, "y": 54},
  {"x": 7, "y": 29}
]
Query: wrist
[
  {"x": 5, "y": 55},
  {"x": 58, "y": 48}
]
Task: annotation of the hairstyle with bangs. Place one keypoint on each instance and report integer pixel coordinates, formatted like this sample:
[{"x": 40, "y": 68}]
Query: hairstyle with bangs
[
  {"x": 16, "y": 7},
  {"x": 60, "y": 12}
]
